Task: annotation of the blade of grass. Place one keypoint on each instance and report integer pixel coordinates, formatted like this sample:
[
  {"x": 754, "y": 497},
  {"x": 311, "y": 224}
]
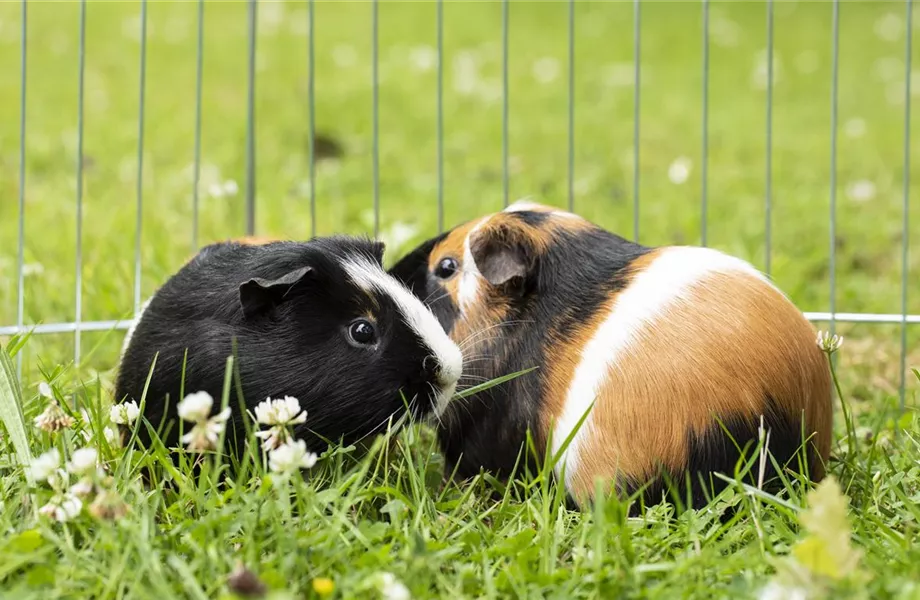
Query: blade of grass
[
  {"x": 490, "y": 384},
  {"x": 18, "y": 342},
  {"x": 11, "y": 412},
  {"x": 187, "y": 577}
]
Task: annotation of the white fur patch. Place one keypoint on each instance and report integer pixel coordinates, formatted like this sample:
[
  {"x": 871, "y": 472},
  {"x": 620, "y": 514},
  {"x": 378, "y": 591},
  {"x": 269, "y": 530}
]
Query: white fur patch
[
  {"x": 133, "y": 326},
  {"x": 372, "y": 278},
  {"x": 526, "y": 205},
  {"x": 666, "y": 281},
  {"x": 468, "y": 287}
]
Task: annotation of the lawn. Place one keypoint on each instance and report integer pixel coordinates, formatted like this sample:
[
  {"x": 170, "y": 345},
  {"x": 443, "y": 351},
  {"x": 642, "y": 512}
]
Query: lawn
[{"x": 362, "y": 514}]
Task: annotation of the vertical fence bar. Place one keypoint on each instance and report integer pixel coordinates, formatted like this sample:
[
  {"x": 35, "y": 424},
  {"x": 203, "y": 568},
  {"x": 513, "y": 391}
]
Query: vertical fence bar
[
  {"x": 311, "y": 52},
  {"x": 78, "y": 292},
  {"x": 905, "y": 233},
  {"x": 835, "y": 57},
  {"x": 199, "y": 76},
  {"x": 704, "y": 151},
  {"x": 376, "y": 101},
  {"x": 505, "y": 174},
  {"x": 571, "y": 105},
  {"x": 20, "y": 264},
  {"x": 140, "y": 159},
  {"x": 637, "y": 46},
  {"x": 768, "y": 193},
  {"x": 440, "y": 27},
  {"x": 251, "y": 126}
]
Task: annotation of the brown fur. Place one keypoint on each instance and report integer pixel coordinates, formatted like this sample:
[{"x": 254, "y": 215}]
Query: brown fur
[{"x": 715, "y": 356}]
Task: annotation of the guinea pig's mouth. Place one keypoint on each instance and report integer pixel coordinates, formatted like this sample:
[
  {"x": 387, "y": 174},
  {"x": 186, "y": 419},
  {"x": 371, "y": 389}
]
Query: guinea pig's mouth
[
  {"x": 428, "y": 407},
  {"x": 442, "y": 399}
]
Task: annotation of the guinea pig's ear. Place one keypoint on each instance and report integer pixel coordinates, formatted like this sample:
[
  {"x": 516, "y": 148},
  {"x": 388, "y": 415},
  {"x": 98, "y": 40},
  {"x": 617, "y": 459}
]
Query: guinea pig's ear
[
  {"x": 259, "y": 295},
  {"x": 502, "y": 260}
]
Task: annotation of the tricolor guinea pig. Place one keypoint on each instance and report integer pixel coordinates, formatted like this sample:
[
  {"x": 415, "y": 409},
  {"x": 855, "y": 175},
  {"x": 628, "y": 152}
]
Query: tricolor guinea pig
[
  {"x": 672, "y": 354},
  {"x": 320, "y": 320}
]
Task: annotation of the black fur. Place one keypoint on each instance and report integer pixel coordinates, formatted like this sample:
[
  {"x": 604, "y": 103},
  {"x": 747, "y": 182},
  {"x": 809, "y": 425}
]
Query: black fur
[
  {"x": 533, "y": 218},
  {"x": 290, "y": 340},
  {"x": 726, "y": 447}
]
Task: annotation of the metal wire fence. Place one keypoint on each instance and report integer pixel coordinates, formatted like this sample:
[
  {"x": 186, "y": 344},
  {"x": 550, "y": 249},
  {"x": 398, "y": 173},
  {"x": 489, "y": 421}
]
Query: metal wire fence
[{"x": 78, "y": 325}]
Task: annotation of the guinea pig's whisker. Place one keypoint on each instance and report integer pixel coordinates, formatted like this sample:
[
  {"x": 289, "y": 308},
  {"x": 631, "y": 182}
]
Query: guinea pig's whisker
[
  {"x": 434, "y": 394},
  {"x": 431, "y": 298},
  {"x": 482, "y": 332},
  {"x": 468, "y": 360},
  {"x": 397, "y": 424},
  {"x": 460, "y": 403}
]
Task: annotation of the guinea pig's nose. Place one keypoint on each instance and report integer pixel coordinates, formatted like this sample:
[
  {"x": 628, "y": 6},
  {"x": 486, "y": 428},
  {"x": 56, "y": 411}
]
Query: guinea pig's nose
[{"x": 433, "y": 370}]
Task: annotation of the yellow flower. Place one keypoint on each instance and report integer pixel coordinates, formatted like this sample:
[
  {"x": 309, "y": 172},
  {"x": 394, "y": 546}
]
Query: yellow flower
[
  {"x": 323, "y": 586},
  {"x": 827, "y": 549}
]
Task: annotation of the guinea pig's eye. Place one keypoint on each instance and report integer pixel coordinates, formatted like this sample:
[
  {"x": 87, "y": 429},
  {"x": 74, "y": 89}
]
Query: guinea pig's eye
[
  {"x": 446, "y": 268},
  {"x": 362, "y": 332}
]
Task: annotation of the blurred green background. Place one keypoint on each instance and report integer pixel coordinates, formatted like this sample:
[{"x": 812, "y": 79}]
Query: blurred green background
[{"x": 870, "y": 152}]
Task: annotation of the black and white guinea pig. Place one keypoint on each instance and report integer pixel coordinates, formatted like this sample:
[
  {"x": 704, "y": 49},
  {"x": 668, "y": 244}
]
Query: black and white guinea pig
[
  {"x": 674, "y": 346},
  {"x": 319, "y": 320}
]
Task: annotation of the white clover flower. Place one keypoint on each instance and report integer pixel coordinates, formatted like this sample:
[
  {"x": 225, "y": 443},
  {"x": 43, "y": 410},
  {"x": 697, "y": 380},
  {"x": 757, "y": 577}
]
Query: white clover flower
[
  {"x": 45, "y": 390},
  {"x": 124, "y": 413},
  {"x": 828, "y": 343},
  {"x": 205, "y": 434},
  {"x": 344, "y": 55},
  {"x": 62, "y": 507},
  {"x": 53, "y": 419},
  {"x": 195, "y": 407},
  {"x": 679, "y": 171},
  {"x": 290, "y": 456},
  {"x": 393, "y": 589},
  {"x": 889, "y": 27},
  {"x": 31, "y": 269},
  {"x": 855, "y": 128},
  {"x": 423, "y": 58},
  {"x": 862, "y": 190},
  {"x": 272, "y": 438},
  {"x": 58, "y": 479},
  {"x": 45, "y": 465},
  {"x": 110, "y": 436},
  {"x": 87, "y": 432},
  {"x": 546, "y": 70},
  {"x": 777, "y": 591},
  {"x": 82, "y": 488},
  {"x": 83, "y": 461},
  {"x": 215, "y": 190},
  {"x": 284, "y": 411}
]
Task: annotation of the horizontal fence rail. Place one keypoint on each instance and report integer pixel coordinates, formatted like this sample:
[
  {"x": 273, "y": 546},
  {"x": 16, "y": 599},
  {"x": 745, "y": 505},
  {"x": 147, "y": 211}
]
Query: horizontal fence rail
[
  {"x": 78, "y": 325},
  {"x": 815, "y": 317}
]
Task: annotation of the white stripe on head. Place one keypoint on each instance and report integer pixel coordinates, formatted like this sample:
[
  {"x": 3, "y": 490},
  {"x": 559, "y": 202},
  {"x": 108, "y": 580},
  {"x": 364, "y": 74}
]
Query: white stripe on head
[
  {"x": 525, "y": 205},
  {"x": 468, "y": 286},
  {"x": 666, "y": 281},
  {"x": 372, "y": 278}
]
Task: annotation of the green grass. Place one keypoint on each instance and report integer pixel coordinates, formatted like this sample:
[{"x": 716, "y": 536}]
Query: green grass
[{"x": 453, "y": 541}]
